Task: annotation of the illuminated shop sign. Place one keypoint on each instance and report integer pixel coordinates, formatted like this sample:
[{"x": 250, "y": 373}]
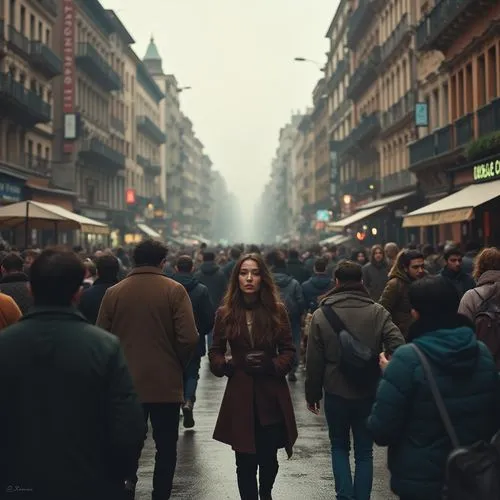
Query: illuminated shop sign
[{"x": 486, "y": 171}]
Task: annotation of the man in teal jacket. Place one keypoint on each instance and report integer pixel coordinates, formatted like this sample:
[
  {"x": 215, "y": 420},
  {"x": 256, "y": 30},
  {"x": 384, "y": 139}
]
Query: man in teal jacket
[{"x": 405, "y": 417}]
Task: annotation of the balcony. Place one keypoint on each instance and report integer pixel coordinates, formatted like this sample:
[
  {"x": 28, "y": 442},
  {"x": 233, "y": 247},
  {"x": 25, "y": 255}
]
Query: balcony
[
  {"x": 101, "y": 155},
  {"x": 488, "y": 118},
  {"x": 447, "y": 21},
  {"x": 18, "y": 42},
  {"x": 404, "y": 108},
  {"x": 422, "y": 150},
  {"x": 339, "y": 113},
  {"x": 367, "y": 128},
  {"x": 50, "y": 6},
  {"x": 435, "y": 145},
  {"x": 150, "y": 167},
  {"x": 464, "y": 130},
  {"x": 149, "y": 128},
  {"x": 338, "y": 75},
  {"x": 90, "y": 61},
  {"x": 45, "y": 60},
  {"x": 401, "y": 33},
  {"x": 359, "y": 22},
  {"x": 23, "y": 105},
  {"x": 34, "y": 164},
  {"x": 360, "y": 186},
  {"x": 365, "y": 74},
  {"x": 398, "y": 181},
  {"x": 117, "y": 124}
]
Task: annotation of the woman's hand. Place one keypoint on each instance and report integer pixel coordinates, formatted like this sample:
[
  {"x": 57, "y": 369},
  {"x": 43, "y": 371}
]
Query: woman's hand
[{"x": 383, "y": 361}]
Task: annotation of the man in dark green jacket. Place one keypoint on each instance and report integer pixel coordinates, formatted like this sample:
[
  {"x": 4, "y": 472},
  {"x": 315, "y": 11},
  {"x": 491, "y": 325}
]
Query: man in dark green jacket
[{"x": 71, "y": 425}]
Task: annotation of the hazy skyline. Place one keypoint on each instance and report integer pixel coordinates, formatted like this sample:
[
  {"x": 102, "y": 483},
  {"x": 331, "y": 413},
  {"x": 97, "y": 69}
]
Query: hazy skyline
[{"x": 238, "y": 59}]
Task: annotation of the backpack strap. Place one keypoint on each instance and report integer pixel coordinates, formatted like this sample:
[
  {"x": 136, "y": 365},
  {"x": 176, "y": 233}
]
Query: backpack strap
[
  {"x": 333, "y": 318},
  {"x": 438, "y": 399}
]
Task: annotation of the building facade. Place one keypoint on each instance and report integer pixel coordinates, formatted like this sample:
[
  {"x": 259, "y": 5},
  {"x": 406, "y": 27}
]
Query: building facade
[
  {"x": 457, "y": 154},
  {"x": 87, "y": 91},
  {"x": 29, "y": 63}
]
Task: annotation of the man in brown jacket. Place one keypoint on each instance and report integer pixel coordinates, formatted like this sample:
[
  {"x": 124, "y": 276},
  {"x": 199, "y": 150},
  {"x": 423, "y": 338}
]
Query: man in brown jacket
[{"x": 153, "y": 317}]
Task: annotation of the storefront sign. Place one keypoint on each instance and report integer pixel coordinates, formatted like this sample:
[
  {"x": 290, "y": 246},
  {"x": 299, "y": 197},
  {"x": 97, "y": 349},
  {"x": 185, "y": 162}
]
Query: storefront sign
[
  {"x": 421, "y": 114},
  {"x": 69, "y": 70},
  {"x": 486, "y": 171},
  {"x": 10, "y": 192}
]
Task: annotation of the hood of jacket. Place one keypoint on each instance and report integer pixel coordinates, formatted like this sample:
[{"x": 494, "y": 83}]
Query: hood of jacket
[
  {"x": 398, "y": 273},
  {"x": 209, "y": 268},
  {"x": 187, "y": 280},
  {"x": 455, "y": 350},
  {"x": 321, "y": 282},
  {"x": 348, "y": 297},
  {"x": 281, "y": 279},
  {"x": 14, "y": 278},
  {"x": 489, "y": 278}
]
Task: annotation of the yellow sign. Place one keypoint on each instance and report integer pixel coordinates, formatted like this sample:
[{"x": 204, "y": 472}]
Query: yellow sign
[{"x": 487, "y": 171}]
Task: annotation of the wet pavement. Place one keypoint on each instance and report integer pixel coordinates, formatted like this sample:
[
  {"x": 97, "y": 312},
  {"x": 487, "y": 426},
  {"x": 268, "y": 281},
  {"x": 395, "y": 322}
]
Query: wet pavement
[{"x": 206, "y": 470}]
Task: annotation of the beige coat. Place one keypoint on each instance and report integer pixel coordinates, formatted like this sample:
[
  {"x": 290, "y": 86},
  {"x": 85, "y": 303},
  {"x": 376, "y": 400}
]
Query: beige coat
[{"x": 153, "y": 318}]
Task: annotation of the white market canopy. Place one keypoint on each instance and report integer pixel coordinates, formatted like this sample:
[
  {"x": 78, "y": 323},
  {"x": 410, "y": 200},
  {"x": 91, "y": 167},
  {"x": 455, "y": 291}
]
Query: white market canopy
[
  {"x": 149, "y": 231},
  {"x": 458, "y": 207},
  {"x": 47, "y": 216}
]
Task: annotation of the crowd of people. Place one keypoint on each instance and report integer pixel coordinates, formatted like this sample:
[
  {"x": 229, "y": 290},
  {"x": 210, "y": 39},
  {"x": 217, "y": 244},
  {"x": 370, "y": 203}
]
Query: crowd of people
[{"x": 96, "y": 347}]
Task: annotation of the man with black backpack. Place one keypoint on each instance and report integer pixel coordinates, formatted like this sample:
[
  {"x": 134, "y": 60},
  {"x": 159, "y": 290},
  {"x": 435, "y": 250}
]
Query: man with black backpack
[
  {"x": 293, "y": 298},
  {"x": 347, "y": 334}
]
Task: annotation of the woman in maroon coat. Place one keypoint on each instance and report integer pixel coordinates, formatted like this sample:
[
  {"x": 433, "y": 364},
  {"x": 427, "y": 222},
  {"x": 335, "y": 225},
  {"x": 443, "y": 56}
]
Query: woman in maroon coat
[{"x": 256, "y": 416}]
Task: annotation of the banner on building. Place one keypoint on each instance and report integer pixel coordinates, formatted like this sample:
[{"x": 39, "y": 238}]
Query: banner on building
[{"x": 69, "y": 74}]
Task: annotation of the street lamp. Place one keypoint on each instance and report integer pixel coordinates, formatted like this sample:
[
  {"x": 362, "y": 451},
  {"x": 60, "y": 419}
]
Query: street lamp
[{"x": 304, "y": 59}]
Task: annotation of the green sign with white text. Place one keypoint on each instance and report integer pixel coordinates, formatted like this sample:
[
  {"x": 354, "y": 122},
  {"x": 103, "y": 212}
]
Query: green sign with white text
[{"x": 486, "y": 171}]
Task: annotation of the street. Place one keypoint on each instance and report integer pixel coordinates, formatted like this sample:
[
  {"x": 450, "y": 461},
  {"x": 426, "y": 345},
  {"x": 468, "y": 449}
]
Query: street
[{"x": 206, "y": 470}]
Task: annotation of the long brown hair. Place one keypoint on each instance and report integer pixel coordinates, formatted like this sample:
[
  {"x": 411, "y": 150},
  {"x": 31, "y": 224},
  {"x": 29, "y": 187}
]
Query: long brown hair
[{"x": 267, "y": 313}]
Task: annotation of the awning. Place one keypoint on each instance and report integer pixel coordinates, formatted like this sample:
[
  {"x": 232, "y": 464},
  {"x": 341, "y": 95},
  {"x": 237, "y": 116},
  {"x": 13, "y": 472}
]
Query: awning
[
  {"x": 387, "y": 200},
  {"x": 352, "y": 219},
  {"x": 47, "y": 216},
  {"x": 458, "y": 207},
  {"x": 338, "y": 239},
  {"x": 149, "y": 231}
]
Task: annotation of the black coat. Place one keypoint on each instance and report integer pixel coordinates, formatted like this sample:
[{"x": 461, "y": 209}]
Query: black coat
[
  {"x": 91, "y": 299},
  {"x": 211, "y": 275},
  {"x": 15, "y": 285},
  {"x": 203, "y": 309},
  {"x": 297, "y": 269},
  {"x": 71, "y": 424}
]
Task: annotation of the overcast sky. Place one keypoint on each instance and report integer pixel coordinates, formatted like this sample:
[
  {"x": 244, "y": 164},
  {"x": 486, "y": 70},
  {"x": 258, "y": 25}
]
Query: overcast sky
[{"x": 238, "y": 57}]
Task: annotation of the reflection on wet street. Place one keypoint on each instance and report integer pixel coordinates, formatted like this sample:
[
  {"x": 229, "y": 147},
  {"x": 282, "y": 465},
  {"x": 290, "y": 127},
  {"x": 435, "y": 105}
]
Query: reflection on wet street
[{"x": 206, "y": 469}]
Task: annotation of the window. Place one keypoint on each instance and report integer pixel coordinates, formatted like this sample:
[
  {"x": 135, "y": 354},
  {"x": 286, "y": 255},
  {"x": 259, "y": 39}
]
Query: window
[
  {"x": 47, "y": 153},
  {"x": 32, "y": 27},
  {"x": 12, "y": 13},
  {"x": 493, "y": 73},
  {"x": 39, "y": 150},
  {"x": 40, "y": 30},
  {"x": 23, "y": 20},
  {"x": 47, "y": 37},
  {"x": 481, "y": 80}
]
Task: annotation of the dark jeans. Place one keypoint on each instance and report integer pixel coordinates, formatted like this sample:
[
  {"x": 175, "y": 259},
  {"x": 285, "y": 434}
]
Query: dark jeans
[
  {"x": 265, "y": 460},
  {"x": 191, "y": 377},
  {"x": 344, "y": 415},
  {"x": 165, "y": 423}
]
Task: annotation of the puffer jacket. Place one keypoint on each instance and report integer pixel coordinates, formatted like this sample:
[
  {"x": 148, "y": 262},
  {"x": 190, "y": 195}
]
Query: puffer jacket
[
  {"x": 405, "y": 417},
  {"x": 395, "y": 298},
  {"x": 472, "y": 300},
  {"x": 314, "y": 288}
]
